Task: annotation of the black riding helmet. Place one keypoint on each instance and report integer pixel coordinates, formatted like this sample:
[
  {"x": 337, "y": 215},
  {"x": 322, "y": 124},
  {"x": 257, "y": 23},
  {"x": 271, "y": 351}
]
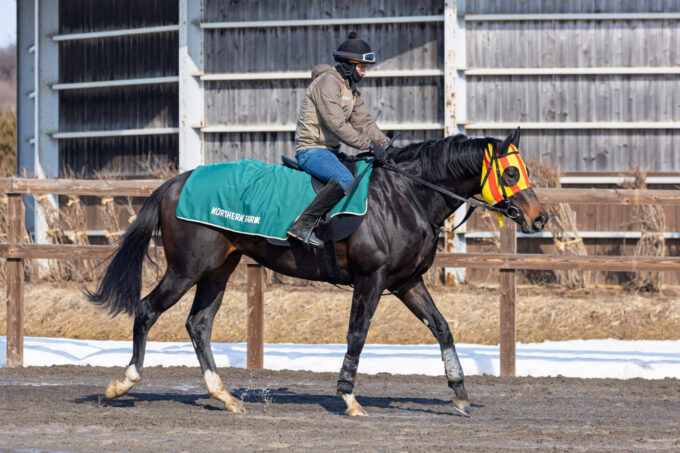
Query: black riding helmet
[
  {"x": 350, "y": 53},
  {"x": 354, "y": 50}
]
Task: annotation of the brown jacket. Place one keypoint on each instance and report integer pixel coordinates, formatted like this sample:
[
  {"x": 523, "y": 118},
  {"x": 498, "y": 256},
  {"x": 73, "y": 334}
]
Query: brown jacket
[{"x": 331, "y": 113}]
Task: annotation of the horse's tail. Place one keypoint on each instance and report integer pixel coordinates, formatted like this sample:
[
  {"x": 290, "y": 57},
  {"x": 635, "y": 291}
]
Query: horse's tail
[{"x": 120, "y": 288}]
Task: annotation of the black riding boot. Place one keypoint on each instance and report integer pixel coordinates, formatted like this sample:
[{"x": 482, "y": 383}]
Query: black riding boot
[{"x": 303, "y": 227}]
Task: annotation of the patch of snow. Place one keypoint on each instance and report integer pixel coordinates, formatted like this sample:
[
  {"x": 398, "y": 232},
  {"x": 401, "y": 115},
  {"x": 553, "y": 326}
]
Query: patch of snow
[{"x": 577, "y": 358}]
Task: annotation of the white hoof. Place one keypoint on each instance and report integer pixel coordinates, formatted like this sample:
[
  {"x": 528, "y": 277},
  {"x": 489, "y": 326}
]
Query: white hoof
[
  {"x": 354, "y": 409},
  {"x": 217, "y": 391},
  {"x": 118, "y": 388},
  {"x": 462, "y": 407}
]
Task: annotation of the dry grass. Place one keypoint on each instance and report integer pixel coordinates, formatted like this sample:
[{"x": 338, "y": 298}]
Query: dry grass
[
  {"x": 562, "y": 225},
  {"x": 320, "y": 315},
  {"x": 651, "y": 220},
  {"x": 8, "y": 77},
  {"x": 58, "y": 270},
  {"x": 8, "y": 139}
]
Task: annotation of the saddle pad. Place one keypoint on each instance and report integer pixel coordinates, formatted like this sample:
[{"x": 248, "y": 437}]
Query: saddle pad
[{"x": 252, "y": 197}]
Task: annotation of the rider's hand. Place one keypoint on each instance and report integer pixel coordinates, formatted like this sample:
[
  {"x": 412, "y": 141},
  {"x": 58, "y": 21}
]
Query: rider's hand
[{"x": 378, "y": 152}]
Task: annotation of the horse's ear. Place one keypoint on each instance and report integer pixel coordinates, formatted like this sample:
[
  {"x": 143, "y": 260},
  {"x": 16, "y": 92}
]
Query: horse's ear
[
  {"x": 512, "y": 139},
  {"x": 515, "y": 138},
  {"x": 505, "y": 144}
]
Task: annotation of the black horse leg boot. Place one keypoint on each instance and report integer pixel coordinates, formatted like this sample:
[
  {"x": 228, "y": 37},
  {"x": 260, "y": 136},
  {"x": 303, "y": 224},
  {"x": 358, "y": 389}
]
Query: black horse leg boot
[{"x": 303, "y": 227}]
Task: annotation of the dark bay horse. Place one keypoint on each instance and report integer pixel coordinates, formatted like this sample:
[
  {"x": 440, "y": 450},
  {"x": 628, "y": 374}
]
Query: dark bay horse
[{"x": 390, "y": 250}]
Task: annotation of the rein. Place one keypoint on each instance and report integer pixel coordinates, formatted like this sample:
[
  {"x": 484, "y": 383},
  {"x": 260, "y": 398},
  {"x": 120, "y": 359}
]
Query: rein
[
  {"x": 510, "y": 211},
  {"x": 506, "y": 209}
]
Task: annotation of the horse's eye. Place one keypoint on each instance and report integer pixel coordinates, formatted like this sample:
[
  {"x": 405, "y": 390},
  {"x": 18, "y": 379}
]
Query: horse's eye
[{"x": 510, "y": 176}]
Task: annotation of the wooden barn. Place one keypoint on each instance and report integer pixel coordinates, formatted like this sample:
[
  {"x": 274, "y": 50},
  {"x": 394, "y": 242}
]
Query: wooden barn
[{"x": 594, "y": 86}]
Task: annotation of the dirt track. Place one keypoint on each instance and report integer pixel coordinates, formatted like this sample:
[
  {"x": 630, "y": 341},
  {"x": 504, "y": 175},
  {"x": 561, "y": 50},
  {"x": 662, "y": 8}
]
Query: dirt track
[{"x": 59, "y": 408}]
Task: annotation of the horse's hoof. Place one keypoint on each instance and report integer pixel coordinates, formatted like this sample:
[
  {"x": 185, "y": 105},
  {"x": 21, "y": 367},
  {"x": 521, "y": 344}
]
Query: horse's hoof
[
  {"x": 235, "y": 407},
  {"x": 356, "y": 411},
  {"x": 118, "y": 388},
  {"x": 112, "y": 391},
  {"x": 462, "y": 407}
]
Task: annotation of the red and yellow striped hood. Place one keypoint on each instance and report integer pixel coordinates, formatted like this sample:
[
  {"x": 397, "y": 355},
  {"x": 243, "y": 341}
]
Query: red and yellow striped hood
[{"x": 493, "y": 188}]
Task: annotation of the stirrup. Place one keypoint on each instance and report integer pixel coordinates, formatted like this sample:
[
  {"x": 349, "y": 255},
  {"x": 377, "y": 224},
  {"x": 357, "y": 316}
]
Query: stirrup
[
  {"x": 316, "y": 243},
  {"x": 306, "y": 237}
]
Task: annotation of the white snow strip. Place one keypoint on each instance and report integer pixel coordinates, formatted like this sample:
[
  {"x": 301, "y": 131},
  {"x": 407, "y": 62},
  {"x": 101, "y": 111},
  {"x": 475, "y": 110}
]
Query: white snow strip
[{"x": 577, "y": 358}]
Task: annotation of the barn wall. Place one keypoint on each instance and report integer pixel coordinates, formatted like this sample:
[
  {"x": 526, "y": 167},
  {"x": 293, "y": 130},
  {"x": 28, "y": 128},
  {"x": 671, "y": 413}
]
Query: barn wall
[
  {"x": 569, "y": 6},
  {"x": 80, "y": 16},
  {"x": 114, "y": 108},
  {"x": 579, "y": 98},
  {"x": 400, "y": 100},
  {"x": 280, "y": 49},
  {"x": 245, "y": 10}
]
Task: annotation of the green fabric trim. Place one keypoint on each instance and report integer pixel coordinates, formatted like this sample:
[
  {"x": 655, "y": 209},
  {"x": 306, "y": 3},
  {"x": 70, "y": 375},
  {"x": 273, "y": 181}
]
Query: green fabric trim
[{"x": 252, "y": 197}]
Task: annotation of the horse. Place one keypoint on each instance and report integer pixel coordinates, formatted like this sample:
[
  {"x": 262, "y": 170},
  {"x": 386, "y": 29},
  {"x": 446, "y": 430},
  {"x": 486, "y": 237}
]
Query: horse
[{"x": 389, "y": 251}]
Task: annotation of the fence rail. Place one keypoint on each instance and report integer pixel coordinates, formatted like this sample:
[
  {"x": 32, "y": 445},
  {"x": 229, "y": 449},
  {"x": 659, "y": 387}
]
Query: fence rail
[
  {"x": 507, "y": 261},
  {"x": 144, "y": 187}
]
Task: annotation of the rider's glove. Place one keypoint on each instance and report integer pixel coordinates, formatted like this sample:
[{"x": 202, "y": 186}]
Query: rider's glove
[{"x": 378, "y": 152}]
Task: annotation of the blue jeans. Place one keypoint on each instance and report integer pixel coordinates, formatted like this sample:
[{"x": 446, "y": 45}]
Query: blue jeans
[{"x": 323, "y": 163}]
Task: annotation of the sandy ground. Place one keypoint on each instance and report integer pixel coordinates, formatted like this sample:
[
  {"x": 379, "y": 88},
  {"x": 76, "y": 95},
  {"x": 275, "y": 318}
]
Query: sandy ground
[
  {"x": 60, "y": 408},
  {"x": 320, "y": 314}
]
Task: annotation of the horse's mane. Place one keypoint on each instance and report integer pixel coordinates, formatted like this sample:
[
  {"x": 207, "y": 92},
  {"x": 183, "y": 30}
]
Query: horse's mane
[{"x": 456, "y": 156}]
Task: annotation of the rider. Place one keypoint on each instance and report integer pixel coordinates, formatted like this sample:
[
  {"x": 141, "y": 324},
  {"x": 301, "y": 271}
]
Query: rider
[{"x": 333, "y": 112}]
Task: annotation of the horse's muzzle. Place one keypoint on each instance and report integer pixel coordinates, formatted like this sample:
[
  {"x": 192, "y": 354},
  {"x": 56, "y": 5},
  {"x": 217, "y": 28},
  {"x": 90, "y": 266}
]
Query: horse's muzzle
[{"x": 540, "y": 221}]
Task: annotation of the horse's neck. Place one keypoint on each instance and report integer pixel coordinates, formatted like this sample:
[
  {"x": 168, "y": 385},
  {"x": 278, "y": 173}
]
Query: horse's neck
[{"x": 440, "y": 206}]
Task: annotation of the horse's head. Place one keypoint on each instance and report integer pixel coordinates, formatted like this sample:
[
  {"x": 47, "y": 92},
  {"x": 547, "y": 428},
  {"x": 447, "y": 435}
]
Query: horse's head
[{"x": 505, "y": 184}]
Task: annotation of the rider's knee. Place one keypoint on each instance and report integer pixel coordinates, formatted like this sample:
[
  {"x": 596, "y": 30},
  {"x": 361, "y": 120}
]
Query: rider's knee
[{"x": 345, "y": 181}]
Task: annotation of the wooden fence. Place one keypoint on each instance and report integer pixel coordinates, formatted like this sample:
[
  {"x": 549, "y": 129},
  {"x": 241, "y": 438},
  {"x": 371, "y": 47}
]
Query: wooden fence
[{"x": 508, "y": 261}]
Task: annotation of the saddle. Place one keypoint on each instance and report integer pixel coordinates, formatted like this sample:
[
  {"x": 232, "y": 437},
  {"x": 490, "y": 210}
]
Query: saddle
[{"x": 331, "y": 229}]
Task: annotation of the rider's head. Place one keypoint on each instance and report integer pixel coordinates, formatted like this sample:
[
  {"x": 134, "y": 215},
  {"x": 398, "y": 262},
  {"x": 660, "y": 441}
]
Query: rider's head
[{"x": 352, "y": 56}]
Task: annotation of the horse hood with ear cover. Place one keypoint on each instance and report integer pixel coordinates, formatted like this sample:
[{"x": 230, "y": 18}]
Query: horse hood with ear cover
[{"x": 497, "y": 186}]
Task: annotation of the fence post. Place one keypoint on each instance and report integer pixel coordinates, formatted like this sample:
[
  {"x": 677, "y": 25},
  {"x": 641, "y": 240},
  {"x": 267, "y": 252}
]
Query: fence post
[
  {"x": 15, "y": 284},
  {"x": 255, "y": 354},
  {"x": 507, "y": 290}
]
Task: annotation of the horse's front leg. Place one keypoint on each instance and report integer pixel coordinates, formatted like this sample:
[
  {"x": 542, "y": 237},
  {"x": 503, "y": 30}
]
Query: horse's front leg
[
  {"x": 367, "y": 292},
  {"x": 419, "y": 301}
]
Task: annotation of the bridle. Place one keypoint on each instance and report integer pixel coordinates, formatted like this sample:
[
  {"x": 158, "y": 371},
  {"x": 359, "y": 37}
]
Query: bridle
[{"x": 502, "y": 208}]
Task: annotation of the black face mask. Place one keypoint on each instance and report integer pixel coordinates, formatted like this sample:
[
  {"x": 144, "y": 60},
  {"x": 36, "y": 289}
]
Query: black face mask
[{"x": 348, "y": 71}]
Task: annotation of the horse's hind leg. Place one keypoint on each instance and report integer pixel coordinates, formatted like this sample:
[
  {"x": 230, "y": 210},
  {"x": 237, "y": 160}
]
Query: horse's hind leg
[
  {"x": 209, "y": 293},
  {"x": 163, "y": 296},
  {"x": 419, "y": 301}
]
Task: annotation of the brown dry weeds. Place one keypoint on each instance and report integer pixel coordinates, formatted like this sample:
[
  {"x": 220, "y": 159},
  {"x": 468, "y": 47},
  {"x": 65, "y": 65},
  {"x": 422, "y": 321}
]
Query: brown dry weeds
[
  {"x": 652, "y": 222},
  {"x": 320, "y": 315},
  {"x": 563, "y": 226}
]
